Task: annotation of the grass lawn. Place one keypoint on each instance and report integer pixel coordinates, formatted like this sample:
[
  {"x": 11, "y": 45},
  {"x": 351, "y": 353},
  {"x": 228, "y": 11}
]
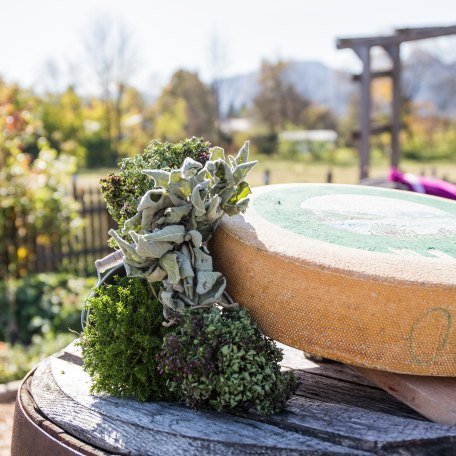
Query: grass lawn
[{"x": 282, "y": 171}]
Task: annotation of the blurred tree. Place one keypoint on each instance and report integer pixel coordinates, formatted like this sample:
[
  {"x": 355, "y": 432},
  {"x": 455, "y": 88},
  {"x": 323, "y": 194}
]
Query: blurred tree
[
  {"x": 278, "y": 101},
  {"x": 171, "y": 119},
  {"x": 218, "y": 61},
  {"x": 111, "y": 53},
  {"x": 189, "y": 105},
  {"x": 63, "y": 119}
]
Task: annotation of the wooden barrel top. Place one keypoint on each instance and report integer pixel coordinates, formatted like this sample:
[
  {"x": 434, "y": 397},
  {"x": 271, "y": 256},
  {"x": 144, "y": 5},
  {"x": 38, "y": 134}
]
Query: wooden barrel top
[
  {"x": 335, "y": 411},
  {"x": 362, "y": 275}
]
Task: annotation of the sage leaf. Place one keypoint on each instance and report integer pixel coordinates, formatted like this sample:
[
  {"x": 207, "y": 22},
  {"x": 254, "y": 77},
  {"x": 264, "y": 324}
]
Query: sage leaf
[
  {"x": 127, "y": 249},
  {"x": 243, "y": 154},
  {"x": 241, "y": 171},
  {"x": 185, "y": 266},
  {"x": 170, "y": 233},
  {"x": 157, "y": 275},
  {"x": 224, "y": 173},
  {"x": 190, "y": 167},
  {"x": 152, "y": 248},
  {"x": 160, "y": 176},
  {"x": 216, "y": 153},
  {"x": 197, "y": 201},
  {"x": 203, "y": 262},
  {"x": 168, "y": 262},
  {"x": 179, "y": 185},
  {"x": 214, "y": 295},
  {"x": 196, "y": 237},
  {"x": 212, "y": 210},
  {"x": 206, "y": 280},
  {"x": 174, "y": 215},
  {"x": 243, "y": 190}
]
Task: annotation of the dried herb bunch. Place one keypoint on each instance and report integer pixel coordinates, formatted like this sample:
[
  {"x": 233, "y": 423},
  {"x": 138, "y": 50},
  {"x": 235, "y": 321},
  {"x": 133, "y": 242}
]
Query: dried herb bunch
[
  {"x": 122, "y": 191},
  {"x": 211, "y": 353},
  {"x": 175, "y": 217}
]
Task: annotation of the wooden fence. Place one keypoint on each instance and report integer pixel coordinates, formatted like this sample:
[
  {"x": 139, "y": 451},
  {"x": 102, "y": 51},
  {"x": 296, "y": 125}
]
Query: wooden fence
[{"x": 38, "y": 253}]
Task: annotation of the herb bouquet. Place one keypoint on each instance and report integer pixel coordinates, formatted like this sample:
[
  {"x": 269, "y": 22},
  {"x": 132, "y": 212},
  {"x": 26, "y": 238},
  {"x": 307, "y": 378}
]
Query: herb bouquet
[{"x": 165, "y": 329}]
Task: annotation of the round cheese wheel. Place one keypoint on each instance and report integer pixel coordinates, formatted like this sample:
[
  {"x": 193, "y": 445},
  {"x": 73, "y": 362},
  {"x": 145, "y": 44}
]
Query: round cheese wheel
[{"x": 362, "y": 275}]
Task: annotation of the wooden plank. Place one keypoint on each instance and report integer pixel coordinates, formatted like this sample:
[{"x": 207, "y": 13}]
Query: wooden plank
[
  {"x": 433, "y": 397},
  {"x": 60, "y": 389},
  {"x": 374, "y": 74},
  {"x": 394, "y": 53},
  {"x": 364, "y": 111},
  {"x": 401, "y": 35},
  {"x": 374, "y": 130},
  {"x": 327, "y": 416},
  {"x": 335, "y": 391}
]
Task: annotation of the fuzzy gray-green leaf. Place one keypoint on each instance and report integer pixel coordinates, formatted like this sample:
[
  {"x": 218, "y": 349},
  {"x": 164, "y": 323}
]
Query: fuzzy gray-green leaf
[
  {"x": 206, "y": 280},
  {"x": 160, "y": 176},
  {"x": 197, "y": 201},
  {"x": 241, "y": 171},
  {"x": 216, "y": 153},
  {"x": 190, "y": 167},
  {"x": 243, "y": 154},
  {"x": 169, "y": 264},
  {"x": 170, "y": 233}
]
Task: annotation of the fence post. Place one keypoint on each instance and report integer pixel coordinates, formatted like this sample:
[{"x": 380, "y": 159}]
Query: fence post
[{"x": 329, "y": 176}]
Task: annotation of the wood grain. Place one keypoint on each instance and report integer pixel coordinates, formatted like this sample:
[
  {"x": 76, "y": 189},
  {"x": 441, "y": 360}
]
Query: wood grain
[
  {"x": 433, "y": 397},
  {"x": 328, "y": 415}
]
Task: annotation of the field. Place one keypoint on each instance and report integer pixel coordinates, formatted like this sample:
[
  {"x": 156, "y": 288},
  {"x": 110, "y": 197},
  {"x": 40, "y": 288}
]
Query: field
[{"x": 282, "y": 171}]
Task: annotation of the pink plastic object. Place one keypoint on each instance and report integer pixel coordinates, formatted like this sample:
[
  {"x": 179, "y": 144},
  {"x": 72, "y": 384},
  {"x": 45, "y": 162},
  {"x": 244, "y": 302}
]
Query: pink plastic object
[{"x": 428, "y": 185}]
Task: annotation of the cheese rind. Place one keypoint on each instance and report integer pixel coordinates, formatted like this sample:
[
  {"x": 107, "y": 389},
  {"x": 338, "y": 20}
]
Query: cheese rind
[{"x": 364, "y": 276}]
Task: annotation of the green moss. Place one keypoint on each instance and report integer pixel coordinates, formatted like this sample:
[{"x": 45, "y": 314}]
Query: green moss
[
  {"x": 123, "y": 191},
  {"x": 221, "y": 360},
  {"x": 122, "y": 340}
]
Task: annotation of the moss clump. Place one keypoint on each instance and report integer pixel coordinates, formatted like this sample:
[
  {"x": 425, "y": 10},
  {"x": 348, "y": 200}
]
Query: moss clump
[
  {"x": 123, "y": 191},
  {"x": 122, "y": 340},
  {"x": 221, "y": 360}
]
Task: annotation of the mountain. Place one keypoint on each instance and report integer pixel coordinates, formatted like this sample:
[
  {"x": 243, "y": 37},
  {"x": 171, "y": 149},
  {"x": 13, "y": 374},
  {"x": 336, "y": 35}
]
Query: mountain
[
  {"x": 426, "y": 78},
  {"x": 315, "y": 80}
]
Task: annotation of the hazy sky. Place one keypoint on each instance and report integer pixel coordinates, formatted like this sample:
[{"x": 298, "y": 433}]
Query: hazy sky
[{"x": 176, "y": 33}]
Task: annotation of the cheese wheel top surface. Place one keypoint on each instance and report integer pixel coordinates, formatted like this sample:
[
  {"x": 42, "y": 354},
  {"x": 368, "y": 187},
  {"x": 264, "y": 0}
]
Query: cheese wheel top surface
[{"x": 378, "y": 232}]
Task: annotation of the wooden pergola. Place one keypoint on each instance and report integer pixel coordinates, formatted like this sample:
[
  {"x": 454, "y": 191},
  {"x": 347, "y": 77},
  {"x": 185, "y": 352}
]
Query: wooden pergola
[{"x": 391, "y": 44}]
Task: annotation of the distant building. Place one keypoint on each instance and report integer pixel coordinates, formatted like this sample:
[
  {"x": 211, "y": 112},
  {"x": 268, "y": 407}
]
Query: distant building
[
  {"x": 236, "y": 125},
  {"x": 306, "y": 141}
]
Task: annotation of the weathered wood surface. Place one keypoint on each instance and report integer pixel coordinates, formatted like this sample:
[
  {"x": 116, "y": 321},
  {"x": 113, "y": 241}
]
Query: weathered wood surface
[
  {"x": 335, "y": 411},
  {"x": 433, "y": 397}
]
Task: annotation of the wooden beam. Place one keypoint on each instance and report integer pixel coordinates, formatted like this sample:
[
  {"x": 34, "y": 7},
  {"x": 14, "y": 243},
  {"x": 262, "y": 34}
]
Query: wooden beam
[
  {"x": 363, "y": 53},
  {"x": 399, "y": 36},
  {"x": 394, "y": 53},
  {"x": 374, "y": 74},
  {"x": 374, "y": 130},
  {"x": 351, "y": 43},
  {"x": 423, "y": 33}
]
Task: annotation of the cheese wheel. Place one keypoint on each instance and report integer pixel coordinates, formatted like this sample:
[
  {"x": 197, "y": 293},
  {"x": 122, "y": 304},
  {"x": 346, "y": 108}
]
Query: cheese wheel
[{"x": 362, "y": 275}]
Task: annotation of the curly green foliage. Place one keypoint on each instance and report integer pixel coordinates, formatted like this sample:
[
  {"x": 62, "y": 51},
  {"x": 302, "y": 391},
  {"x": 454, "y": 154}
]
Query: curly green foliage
[
  {"x": 124, "y": 190},
  {"x": 221, "y": 360},
  {"x": 122, "y": 340},
  {"x": 41, "y": 305}
]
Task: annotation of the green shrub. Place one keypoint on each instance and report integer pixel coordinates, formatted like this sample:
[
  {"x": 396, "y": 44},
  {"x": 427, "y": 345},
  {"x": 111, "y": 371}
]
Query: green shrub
[
  {"x": 266, "y": 143},
  {"x": 17, "y": 360},
  {"x": 122, "y": 340},
  {"x": 439, "y": 146},
  {"x": 222, "y": 361},
  {"x": 123, "y": 191},
  {"x": 41, "y": 304},
  {"x": 35, "y": 198}
]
